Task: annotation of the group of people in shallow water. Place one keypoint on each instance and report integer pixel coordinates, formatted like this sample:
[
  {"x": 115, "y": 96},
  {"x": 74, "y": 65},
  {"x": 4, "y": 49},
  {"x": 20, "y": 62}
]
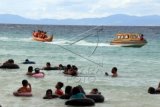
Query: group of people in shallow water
[
  {"x": 68, "y": 69},
  {"x": 37, "y": 72},
  {"x": 40, "y": 34},
  {"x": 71, "y": 70},
  {"x": 49, "y": 67},
  {"x": 70, "y": 92}
]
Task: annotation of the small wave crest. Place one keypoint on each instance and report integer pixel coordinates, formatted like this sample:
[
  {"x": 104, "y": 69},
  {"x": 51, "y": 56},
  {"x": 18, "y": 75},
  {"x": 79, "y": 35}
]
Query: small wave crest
[
  {"x": 81, "y": 43},
  {"x": 60, "y": 42},
  {"x": 4, "y": 38},
  {"x": 15, "y": 39}
]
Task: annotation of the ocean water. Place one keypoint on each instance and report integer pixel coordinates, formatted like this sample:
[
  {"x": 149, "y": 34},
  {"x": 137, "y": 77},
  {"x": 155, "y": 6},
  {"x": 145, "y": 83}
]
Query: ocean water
[{"x": 88, "y": 48}]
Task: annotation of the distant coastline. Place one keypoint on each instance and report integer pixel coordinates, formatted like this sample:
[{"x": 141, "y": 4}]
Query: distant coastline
[{"x": 113, "y": 20}]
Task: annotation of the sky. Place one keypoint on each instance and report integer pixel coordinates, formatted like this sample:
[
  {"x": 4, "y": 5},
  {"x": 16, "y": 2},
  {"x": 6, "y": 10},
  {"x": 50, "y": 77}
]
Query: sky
[{"x": 78, "y": 9}]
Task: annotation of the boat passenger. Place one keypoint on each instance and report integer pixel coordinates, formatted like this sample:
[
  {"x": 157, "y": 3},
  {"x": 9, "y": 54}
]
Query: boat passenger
[
  {"x": 38, "y": 33},
  {"x": 141, "y": 37},
  {"x": 42, "y": 35},
  {"x": 35, "y": 34},
  {"x": 45, "y": 35}
]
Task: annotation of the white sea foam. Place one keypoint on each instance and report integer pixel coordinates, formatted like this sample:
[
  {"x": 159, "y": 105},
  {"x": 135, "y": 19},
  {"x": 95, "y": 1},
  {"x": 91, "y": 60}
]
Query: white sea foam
[
  {"x": 61, "y": 42},
  {"x": 4, "y": 38},
  {"x": 16, "y": 39},
  {"x": 80, "y": 43}
]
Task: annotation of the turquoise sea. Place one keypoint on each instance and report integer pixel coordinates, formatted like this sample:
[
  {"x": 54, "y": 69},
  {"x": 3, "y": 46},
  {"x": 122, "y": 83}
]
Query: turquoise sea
[{"x": 88, "y": 48}]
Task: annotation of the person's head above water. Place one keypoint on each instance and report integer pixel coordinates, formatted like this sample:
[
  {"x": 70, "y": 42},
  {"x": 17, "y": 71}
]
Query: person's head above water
[{"x": 37, "y": 70}]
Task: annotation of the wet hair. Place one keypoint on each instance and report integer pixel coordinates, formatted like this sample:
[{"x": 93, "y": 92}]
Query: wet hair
[
  {"x": 95, "y": 89},
  {"x": 11, "y": 61},
  {"x": 48, "y": 63},
  {"x": 24, "y": 82},
  {"x": 30, "y": 68},
  {"x": 60, "y": 85},
  {"x": 81, "y": 89},
  {"x": 36, "y": 70},
  {"x": 49, "y": 90},
  {"x": 68, "y": 89},
  {"x": 60, "y": 65},
  {"x": 114, "y": 69},
  {"x": 75, "y": 90},
  {"x": 68, "y": 66},
  {"x": 74, "y": 67},
  {"x": 151, "y": 90},
  {"x": 26, "y": 60}
]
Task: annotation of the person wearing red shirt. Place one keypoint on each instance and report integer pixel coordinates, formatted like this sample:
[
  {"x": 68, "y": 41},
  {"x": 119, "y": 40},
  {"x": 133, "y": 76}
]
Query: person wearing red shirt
[{"x": 58, "y": 87}]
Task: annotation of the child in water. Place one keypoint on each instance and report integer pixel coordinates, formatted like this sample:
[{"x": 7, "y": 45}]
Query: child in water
[
  {"x": 58, "y": 87},
  {"x": 49, "y": 95}
]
